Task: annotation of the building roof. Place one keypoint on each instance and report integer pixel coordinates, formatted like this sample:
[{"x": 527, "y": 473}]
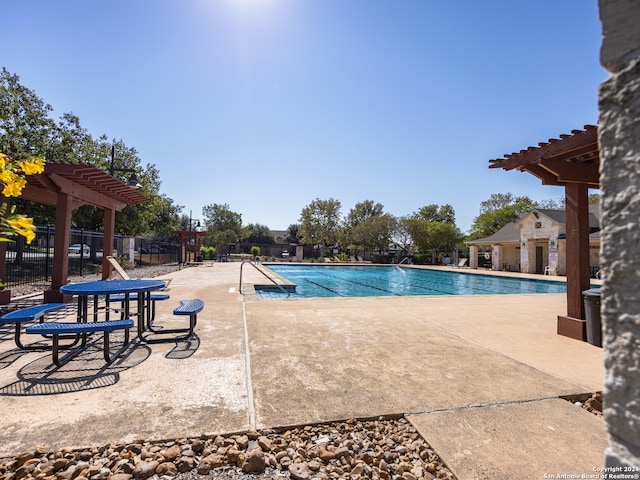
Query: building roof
[
  {"x": 280, "y": 236},
  {"x": 511, "y": 231}
]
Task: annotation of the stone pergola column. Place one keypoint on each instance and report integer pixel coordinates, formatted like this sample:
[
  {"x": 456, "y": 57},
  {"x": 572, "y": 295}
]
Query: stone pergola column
[
  {"x": 619, "y": 138},
  {"x": 497, "y": 257},
  {"x": 473, "y": 256}
]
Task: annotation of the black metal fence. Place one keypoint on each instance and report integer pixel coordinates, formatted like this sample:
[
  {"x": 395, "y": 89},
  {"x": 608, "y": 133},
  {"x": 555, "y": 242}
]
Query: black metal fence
[{"x": 33, "y": 263}]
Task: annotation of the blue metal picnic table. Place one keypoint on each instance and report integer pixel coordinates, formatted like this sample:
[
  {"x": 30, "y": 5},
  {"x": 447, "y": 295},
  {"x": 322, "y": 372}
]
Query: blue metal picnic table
[{"x": 106, "y": 288}]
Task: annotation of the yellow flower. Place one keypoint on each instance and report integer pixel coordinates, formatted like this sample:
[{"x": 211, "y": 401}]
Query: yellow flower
[
  {"x": 6, "y": 176},
  {"x": 12, "y": 176},
  {"x": 33, "y": 166},
  {"x": 14, "y": 188},
  {"x": 23, "y": 226}
]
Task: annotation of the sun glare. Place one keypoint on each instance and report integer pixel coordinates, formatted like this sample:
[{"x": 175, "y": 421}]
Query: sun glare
[{"x": 252, "y": 8}]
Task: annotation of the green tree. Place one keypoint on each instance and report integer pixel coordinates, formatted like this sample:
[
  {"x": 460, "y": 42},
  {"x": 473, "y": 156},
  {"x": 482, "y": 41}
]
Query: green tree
[
  {"x": 551, "y": 204},
  {"x": 435, "y": 213},
  {"x": 222, "y": 239},
  {"x": 320, "y": 222},
  {"x": 380, "y": 230},
  {"x": 368, "y": 227},
  {"x": 224, "y": 226},
  {"x": 436, "y": 238},
  {"x": 26, "y": 130},
  {"x": 433, "y": 230},
  {"x": 497, "y": 211},
  {"x": 25, "y": 127},
  {"x": 363, "y": 211},
  {"x": 219, "y": 218},
  {"x": 260, "y": 235},
  {"x": 292, "y": 234},
  {"x": 402, "y": 234}
]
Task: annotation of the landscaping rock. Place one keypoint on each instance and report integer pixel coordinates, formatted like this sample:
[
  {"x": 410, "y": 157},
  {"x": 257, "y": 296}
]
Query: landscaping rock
[
  {"x": 254, "y": 461},
  {"x": 383, "y": 449}
]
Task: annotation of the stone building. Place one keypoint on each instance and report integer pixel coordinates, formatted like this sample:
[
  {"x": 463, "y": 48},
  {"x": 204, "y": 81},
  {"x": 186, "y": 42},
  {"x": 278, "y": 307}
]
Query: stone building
[{"x": 535, "y": 243}]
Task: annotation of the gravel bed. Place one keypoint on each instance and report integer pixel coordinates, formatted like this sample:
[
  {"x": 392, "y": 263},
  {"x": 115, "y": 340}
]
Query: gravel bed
[{"x": 358, "y": 449}]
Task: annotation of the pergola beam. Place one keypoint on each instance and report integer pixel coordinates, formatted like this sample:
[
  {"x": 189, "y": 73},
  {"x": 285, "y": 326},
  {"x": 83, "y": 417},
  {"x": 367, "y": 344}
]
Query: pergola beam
[
  {"x": 86, "y": 195},
  {"x": 573, "y": 172},
  {"x": 574, "y": 146},
  {"x": 543, "y": 174}
]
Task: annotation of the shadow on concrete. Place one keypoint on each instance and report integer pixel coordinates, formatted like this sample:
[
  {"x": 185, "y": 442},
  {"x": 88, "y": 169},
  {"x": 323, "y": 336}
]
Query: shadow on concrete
[
  {"x": 86, "y": 371},
  {"x": 184, "y": 348}
]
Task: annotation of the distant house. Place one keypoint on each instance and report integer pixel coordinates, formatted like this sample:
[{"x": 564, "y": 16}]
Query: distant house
[
  {"x": 280, "y": 236},
  {"x": 535, "y": 243}
]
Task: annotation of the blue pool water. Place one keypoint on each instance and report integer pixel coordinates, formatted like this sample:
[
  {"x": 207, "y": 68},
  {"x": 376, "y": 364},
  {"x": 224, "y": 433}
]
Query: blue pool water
[{"x": 376, "y": 281}]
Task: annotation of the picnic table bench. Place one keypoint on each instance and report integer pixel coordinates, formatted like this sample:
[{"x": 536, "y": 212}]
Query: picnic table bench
[
  {"x": 187, "y": 307},
  {"x": 154, "y": 297},
  {"x": 56, "y": 329},
  {"x": 28, "y": 314}
]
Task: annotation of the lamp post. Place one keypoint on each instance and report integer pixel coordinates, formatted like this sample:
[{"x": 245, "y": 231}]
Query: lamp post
[
  {"x": 133, "y": 179},
  {"x": 191, "y": 220}
]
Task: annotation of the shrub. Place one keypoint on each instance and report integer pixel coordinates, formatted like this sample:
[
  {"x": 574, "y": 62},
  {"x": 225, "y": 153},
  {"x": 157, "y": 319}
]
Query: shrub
[
  {"x": 421, "y": 259},
  {"x": 208, "y": 253}
]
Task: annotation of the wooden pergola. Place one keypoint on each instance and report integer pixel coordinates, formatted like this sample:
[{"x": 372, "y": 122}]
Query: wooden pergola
[
  {"x": 185, "y": 237},
  {"x": 573, "y": 162},
  {"x": 69, "y": 186}
]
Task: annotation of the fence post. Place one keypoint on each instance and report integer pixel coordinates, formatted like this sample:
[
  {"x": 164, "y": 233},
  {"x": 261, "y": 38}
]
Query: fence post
[
  {"x": 82, "y": 252},
  {"x": 47, "y": 244}
]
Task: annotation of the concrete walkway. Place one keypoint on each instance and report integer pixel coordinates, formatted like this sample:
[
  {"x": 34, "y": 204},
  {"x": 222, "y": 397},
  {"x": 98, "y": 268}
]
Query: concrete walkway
[{"x": 479, "y": 377}]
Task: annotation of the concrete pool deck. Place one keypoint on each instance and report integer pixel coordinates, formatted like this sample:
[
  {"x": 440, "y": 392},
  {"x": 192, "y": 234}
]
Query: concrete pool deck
[{"x": 479, "y": 376}]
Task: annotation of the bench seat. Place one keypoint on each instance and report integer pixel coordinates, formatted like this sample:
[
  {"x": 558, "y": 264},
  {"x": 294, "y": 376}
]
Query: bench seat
[
  {"x": 187, "y": 307},
  {"x": 28, "y": 314},
  {"x": 134, "y": 297},
  {"x": 56, "y": 329},
  {"x": 155, "y": 297}
]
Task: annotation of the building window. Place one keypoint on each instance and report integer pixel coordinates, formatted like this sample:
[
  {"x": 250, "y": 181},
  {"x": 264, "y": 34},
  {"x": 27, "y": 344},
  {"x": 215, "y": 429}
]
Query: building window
[{"x": 538, "y": 224}]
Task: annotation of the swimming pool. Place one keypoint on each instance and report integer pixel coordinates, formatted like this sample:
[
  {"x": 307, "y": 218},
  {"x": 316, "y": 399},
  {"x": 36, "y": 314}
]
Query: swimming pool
[{"x": 377, "y": 281}]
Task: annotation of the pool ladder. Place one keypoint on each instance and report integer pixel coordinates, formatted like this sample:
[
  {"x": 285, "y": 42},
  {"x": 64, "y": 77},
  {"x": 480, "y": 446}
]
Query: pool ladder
[
  {"x": 407, "y": 259},
  {"x": 255, "y": 265}
]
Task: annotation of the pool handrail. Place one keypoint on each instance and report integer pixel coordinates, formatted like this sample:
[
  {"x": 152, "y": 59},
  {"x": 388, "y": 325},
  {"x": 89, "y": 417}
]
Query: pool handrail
[{"x": 254, "y": 265}]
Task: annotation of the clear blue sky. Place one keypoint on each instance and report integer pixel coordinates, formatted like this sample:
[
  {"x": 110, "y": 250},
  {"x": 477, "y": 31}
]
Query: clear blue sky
[{"x": 266, "y": 105}]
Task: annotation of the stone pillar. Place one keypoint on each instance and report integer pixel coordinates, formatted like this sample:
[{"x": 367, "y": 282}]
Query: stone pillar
[
  {"x": 473, "y": 256},
  {"x": 619, "y": 140},
  {"x": 129, "y": 249},
  {"x": 524, "y": 256},
  {"x": 497, "y": 257},
  {"x": 553, "y": 256},
  {"x": 299, "y": 253},
  {"x": 562, "y": 257}
]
